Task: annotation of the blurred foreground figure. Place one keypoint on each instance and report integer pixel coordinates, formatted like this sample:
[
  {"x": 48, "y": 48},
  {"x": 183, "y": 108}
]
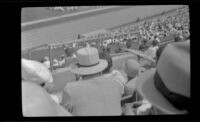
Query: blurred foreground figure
[
  {"x": 36, "y": 72},
  {"x": 94, "y": 95},
  {"x": 167, "y": 87},
  {"x": 36, "y": 102}
]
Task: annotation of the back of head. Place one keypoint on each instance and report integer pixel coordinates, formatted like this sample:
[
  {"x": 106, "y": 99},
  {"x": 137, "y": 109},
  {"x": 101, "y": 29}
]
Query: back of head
[
  {"x": 37, "y": 102},
  {"x": 132, "y": 68}
]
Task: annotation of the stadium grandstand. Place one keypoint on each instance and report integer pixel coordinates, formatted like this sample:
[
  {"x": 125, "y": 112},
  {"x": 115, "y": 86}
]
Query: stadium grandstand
[{"x": 55, "y": 37}]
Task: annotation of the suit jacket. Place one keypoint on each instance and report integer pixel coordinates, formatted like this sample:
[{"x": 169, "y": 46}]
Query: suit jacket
[{"x": 99, "y": 96}]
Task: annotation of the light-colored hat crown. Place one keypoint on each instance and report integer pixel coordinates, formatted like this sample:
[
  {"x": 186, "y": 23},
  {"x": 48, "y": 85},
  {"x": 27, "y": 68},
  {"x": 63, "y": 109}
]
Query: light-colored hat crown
[
  {"x": 132, "y": 67},
  {"x": 88, "y": 56},
  {"x": 88, "y": 62},
  {"x": 174, "y": 68}
]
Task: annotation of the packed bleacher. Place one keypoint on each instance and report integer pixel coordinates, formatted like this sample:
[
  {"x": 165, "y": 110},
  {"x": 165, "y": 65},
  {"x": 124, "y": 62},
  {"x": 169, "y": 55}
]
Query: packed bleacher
[
  {"x": 95, "y": 66},
  {"x": 69, "y": 8},
  {"x": 139, "y": 36}
]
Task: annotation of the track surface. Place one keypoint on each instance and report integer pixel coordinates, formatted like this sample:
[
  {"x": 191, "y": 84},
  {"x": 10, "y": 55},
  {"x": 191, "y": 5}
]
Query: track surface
[
  {"x": 68, "y": 31},
  {"x": 37, "y": 13}
]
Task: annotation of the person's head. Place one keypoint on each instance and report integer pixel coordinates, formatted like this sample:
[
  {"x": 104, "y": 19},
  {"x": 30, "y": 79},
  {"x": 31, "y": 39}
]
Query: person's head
[
  {"x": 177, "y": 39},
  {"x": 168, "y": 86},
  {"x": 154, "y": 43},
  {"x": 88, "y": 63},
  {"x": 131, "y": 68}
]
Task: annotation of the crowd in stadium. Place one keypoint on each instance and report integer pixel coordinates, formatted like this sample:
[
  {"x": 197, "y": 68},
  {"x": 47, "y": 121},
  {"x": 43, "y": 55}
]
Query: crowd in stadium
[
  {"x": 92, "y": 94},
  {"x": 151, "y": 33},
  {"x": 61, "y": 8},
  {"x": 100, "y": 90}
]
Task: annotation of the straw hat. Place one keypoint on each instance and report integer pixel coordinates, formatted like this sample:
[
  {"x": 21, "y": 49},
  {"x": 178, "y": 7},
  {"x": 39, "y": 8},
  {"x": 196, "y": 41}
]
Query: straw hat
[
  {"x": 131, "y": 67},
  {"x": 168, "y": 86},
  {"x": 88, "y": 62}
]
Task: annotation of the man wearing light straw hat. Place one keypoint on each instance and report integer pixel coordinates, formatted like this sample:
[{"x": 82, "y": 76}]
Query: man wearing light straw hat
[{"x": 94, "y": 95}]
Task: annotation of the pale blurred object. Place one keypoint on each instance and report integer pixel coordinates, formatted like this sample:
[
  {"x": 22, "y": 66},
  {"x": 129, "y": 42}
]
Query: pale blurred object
[
  {"x": 36, "y": 102},
  {"x": 35, "y": 71},
  {"x": 151, "y": 52},
  {"x": 55, "y": 98},
  {"x": 55, "y": 63},
  {"x": 62, "y": 61},
  {"x": 144, "y": 107},
  {"x": 46, "y": 62}
]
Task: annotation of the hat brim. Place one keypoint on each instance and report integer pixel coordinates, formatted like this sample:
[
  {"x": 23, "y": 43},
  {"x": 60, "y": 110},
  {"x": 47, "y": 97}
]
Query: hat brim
[
  {"x": 89, "y": 70},
  {"x": 147, "y": 89}
]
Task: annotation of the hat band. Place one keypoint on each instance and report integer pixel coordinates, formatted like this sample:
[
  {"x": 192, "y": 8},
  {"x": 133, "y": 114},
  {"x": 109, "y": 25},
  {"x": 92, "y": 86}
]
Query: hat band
[
  {"x": 178, "y": 101},
  {"x": 80, "y": 65}
]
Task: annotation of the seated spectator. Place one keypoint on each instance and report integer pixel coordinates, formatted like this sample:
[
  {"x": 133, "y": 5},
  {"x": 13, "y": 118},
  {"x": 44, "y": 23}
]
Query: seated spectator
[
  {"x": 151, "y": 51},
  {"x": 167, "y": 87},
  {"x": 92, "y": 96},
  {"x": 55, "y": 63},
  {"x": 132, "y": 69},
  {"x": 62, "y": 62}
]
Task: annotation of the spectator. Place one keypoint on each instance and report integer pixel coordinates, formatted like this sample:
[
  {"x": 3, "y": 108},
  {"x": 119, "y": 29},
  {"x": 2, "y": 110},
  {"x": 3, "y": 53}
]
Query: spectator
[
  {"x": 92, "y": 96},
  {"x": 55, "y": 63},
  {"x": 62, "y": 62},
  {"x": 153, "y": 82},
  {"x": 132, "y": 69}
]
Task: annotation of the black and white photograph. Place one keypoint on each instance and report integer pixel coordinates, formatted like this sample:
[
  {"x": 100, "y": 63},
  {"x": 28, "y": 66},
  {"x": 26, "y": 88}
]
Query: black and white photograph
[{"x": 105, "y": 60}]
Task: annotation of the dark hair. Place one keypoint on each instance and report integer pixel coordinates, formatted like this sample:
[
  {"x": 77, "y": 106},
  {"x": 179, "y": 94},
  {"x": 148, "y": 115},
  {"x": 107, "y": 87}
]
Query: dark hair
[
  {"x": 154, "y": 43},
  {"x": 159, "y": 52},
  {"x": 104, "y": 55},
  {"x": 177, "y": 39}
]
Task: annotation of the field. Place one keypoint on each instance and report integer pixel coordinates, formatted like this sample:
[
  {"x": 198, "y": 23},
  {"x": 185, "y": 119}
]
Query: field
[
  {"x": 56, "y": 53},
  {"x": 67, "y": 31},
  {"x": 38, "y": 13}
]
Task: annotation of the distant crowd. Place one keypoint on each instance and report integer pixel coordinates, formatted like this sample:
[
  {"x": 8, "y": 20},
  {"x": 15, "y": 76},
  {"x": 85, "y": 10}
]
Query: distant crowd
[
  {"x": 144, "y": 36},
  {"x": 62, "y": 8}
]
